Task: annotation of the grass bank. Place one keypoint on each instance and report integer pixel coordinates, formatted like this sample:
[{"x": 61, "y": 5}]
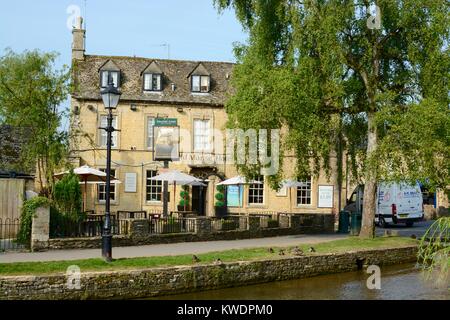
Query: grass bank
[{"x": 343, "y": 245}]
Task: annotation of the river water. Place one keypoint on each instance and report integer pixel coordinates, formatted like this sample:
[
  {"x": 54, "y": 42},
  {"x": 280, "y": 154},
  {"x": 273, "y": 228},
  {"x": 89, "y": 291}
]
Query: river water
[{"x": 397, "y": 282}]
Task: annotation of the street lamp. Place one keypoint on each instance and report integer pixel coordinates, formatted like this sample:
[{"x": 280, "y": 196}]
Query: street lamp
[{"x": 110, "y": 96}]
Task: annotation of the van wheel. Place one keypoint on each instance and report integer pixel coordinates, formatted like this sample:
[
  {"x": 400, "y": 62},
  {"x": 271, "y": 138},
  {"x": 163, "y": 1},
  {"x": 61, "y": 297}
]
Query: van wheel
[
  {"x": 382, "y": 223},
  {"x": 409, "y": 224}
]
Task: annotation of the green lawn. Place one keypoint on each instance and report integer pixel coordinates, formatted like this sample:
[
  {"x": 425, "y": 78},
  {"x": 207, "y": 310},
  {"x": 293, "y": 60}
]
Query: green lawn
[{"x": 351, "y": 243}]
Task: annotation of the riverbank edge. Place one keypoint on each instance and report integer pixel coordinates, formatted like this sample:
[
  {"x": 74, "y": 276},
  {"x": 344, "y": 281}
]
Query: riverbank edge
[{"x": 153, "y": 282}]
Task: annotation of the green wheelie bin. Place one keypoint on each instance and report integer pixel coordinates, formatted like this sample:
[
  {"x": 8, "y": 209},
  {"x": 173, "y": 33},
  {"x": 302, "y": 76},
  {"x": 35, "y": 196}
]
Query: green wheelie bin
[
  {"x": 355, "y": 223},
  {"x": 344, "y": 222}
]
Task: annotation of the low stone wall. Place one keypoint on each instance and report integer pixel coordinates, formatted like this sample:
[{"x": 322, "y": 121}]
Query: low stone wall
[
  {"x": 139, "y": 235},
  {"x": 174, "y": 280},
  {"x": 125, "y": 241}
]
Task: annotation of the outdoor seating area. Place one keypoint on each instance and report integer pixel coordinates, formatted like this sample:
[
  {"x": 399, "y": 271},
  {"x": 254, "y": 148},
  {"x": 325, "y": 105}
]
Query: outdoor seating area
[{"x": 154, "y": 222}]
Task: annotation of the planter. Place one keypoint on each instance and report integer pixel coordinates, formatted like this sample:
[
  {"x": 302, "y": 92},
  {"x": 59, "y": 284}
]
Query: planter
[
  {"x": 220, "y": 211},
  {"x": 182, "y": 208}
]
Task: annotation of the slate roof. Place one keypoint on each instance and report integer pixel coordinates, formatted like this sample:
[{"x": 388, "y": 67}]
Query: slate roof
[{"x": 87, "y": 79}]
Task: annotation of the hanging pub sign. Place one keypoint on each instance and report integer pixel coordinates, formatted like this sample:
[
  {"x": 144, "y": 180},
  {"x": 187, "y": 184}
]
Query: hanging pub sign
[{"x": 166, "y": 140}]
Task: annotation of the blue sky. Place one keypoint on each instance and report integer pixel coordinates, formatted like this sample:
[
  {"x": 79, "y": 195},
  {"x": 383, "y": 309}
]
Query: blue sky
[{"x": 193, "y": 28}]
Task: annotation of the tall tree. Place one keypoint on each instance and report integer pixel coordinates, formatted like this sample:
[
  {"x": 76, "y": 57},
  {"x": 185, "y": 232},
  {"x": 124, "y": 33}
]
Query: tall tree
[
  {"x": 31, "y": 93},
  {"x": 326, "y": 68}
]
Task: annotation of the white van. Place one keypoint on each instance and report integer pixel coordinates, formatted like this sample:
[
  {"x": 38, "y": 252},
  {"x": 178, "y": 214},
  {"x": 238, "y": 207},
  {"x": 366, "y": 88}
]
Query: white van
[{"x": 396, "y": 203}]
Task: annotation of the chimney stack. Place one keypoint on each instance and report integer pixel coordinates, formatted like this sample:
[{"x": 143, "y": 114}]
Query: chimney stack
[{"x": 78, "y": 41}]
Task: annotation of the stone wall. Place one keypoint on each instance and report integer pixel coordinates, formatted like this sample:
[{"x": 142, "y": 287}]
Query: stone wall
[
  {"x": 139, "y": 232},
  {"x": 174, "y": 280}
]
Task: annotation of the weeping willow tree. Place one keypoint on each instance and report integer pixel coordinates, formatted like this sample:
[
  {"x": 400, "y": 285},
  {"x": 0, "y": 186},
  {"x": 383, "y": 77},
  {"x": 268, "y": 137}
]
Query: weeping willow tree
[
  {"x": 434, "y": 250},
  {"x": 329, "y": 71}
]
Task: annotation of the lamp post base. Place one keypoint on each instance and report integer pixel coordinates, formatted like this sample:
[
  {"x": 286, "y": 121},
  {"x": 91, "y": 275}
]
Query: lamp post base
[{"x": 107, "y": 247}]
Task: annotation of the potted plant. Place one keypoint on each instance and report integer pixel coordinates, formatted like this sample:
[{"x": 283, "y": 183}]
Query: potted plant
[
  {"x": 183, "y": 205},
  {"x": 219, "y": 206}
]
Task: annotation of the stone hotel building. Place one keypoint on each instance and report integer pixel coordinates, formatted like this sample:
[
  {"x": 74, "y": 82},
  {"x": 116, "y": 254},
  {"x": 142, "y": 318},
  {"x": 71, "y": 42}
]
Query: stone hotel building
[{"x": 192, "y": 92}]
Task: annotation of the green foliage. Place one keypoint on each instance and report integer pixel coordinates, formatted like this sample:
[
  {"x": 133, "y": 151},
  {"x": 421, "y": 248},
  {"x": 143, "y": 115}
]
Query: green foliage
[
  {"x": 336, "y": 246},
  {"x": 318, "y": 71},
  {"x": 184, "y": 194},
  {"x": 31, "y": 94},
  {"x": 64, "y": 225},
  {"x": 67, "y": 195},
  {"x": 220, "y": 203},
  {"x": 184, "y": 202},
  {"x": 220, "y": 196},
  {"x": 28, "y": 212},
  {"x": 434, "y": 249}
]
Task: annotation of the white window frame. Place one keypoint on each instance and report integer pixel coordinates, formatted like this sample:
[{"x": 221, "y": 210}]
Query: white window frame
[
  {"x": 305, "y": 193},
  {"x": 101, "y": 188},
  {"x": 104, "y": 75},
  {"x": 149, "y": 134},
  {"x": 150, "y": 86},
  {"x": 256, "y": 187},
  {"x": 152, "y": 184},
  {"x": 202, "y": 140},
  {"x": 103, "y": 134},
  {"x": 200, "y": 88}
]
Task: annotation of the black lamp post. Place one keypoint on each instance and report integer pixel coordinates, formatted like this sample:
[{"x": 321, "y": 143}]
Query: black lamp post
[{"x": 110, "y": 97}]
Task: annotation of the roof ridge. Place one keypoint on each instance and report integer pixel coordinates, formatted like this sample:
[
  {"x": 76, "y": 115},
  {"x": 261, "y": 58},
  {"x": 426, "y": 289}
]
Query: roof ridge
[{"x": 157, "y": 59}]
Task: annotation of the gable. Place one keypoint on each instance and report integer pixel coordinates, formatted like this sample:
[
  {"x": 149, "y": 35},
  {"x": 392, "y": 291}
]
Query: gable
[
  {"x": 153, "y": 67},
  {"x": 109, "y": 65},
  {"x": 199, "y": 70}
]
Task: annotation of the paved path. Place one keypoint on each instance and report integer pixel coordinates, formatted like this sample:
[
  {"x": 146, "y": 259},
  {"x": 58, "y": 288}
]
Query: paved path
[
  {"x": 168, "y": 249},
  {"x": 418, "y": 229}
]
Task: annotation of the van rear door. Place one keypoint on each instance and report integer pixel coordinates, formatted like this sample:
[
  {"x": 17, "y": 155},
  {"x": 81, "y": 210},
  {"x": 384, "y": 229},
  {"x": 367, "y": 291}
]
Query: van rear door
[{"x": 409, "y": 201}]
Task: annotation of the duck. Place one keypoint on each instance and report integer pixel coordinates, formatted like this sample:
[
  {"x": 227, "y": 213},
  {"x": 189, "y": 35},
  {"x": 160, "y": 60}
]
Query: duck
[
  {"x": 281, "y": 253},
  {"x": 195, "y": 259},
  {"x": 296, "y": 251},
  {"x": 270, "y": 250},
  {"x": 311, "y": 249}
]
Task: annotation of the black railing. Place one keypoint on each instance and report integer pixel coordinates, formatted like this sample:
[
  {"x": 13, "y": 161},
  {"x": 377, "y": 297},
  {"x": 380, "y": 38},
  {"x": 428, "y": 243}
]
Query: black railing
[
  {"x": 131, "y": 215},
  {"x": 230, "y": 222},
  {"x": 9, "y": 229},
  {"x": 90, "y": 227},
  {"x": 171, "y": 225}
]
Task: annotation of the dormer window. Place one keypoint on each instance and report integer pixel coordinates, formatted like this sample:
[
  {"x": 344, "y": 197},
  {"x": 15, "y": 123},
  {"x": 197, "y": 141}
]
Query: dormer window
[
  {"x": 104, "y": 76},
  {"x": 200, "y": 83},
  {"x": 152, "y": 82}
]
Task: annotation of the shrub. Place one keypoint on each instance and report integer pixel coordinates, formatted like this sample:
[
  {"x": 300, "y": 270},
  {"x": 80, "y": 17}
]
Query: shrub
[
  {"x": 220, "y": 196},
  {"x": 67, "y": 195},
  {"x": 184, "y": 194},
  {"x": 184, "y": 203},
  {"x": 220, "y": 203}
]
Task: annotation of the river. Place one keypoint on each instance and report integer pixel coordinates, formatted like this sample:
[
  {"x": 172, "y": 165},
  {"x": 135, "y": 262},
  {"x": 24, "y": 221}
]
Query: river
[{"x": 397, "y": 282}]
